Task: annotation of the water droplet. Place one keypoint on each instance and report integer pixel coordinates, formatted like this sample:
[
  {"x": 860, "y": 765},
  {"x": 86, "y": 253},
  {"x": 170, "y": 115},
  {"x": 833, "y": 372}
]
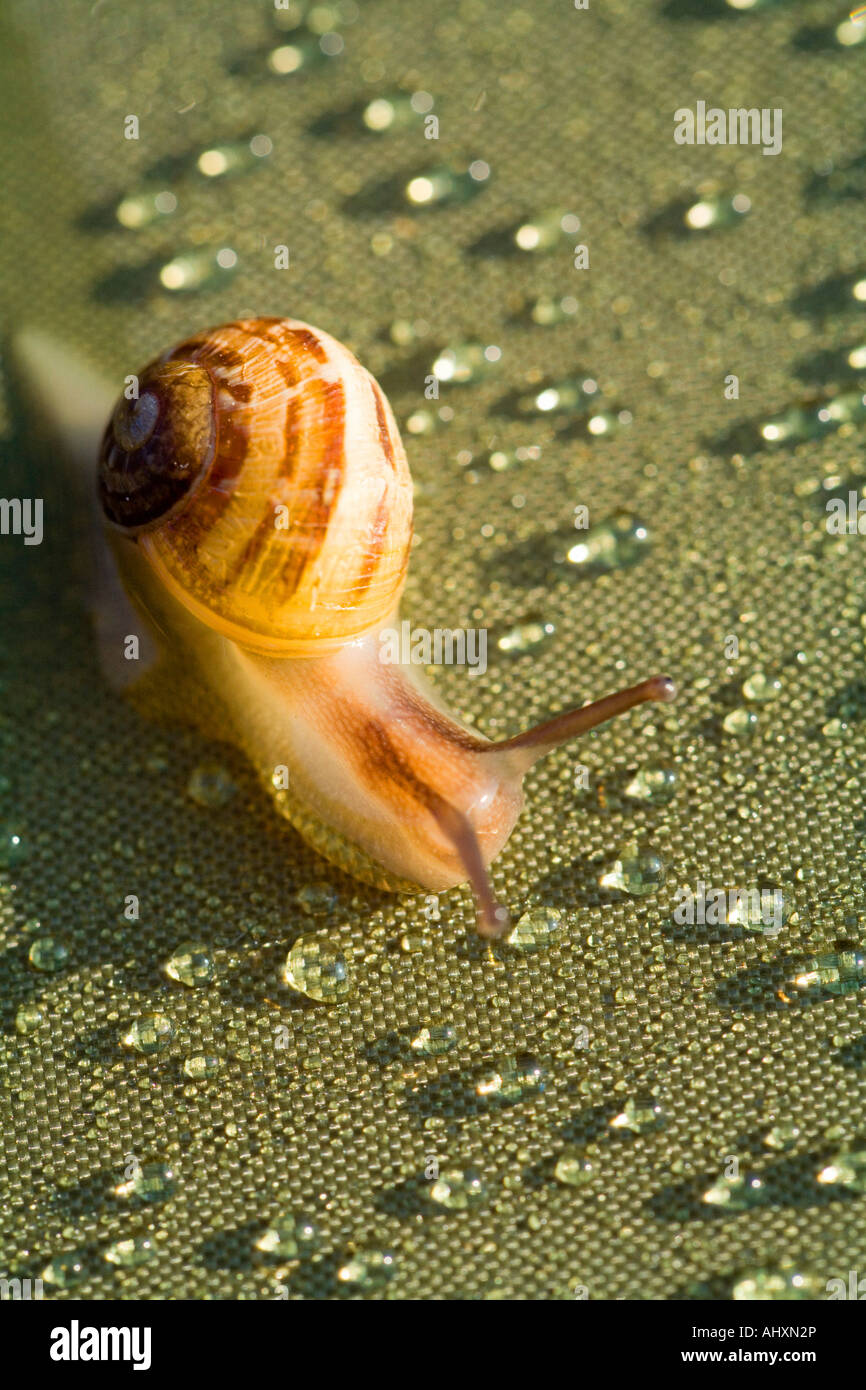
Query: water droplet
[
  {"x": 199, "y": 270},
  {"x": 66, "y": 1270},
  {"x": 191, "y": 964},
  {"x": 234, "y": 157},
  {"x": 130, "y": 1253},
  {"x": 614, "y": 544},
  {"x": 638, "y": 869},
  {"x": 548, "y": 311},
  {"x": 713, "y": 213},
  {"x": 604, "y": 423},
  {"x": 151, "y": 1182},
  {"x": 316, "y": 899},
  {"x": 814, "y": 418},
  {"x": 501, "y": 460},
  {"x": 574, "y": 1169},
  {"x": 736, "y": 1193},
  {"x": 782, "y": 1136},
  {"x": 527, "y": 636},
  {"x": 149, "y": 1033},
  {"x": 757, "y": 908},
  {"x": 740, "y": 722},
  {"x": 467, "y": 362},
  {"x": 572, "y": 398},
  {"x": 317, "y": 969},
  {"x": 776, "y": 1285},
  {"x": 289, "y": 58},
  {"x": 141, "y": 209},
  {"x": 368, "y": 1269},
  {"x": 847, "y": 1169},
  {"x": 447, "y": 184},
  {"x": 201, "y": 1067},
  {"x": 48, "y": 954},
  {"x": 210, "y": 785},
  {"x": 458, "y": 1189},
  {"x": 396, "y": 111},
  {"x": 761, "y": 687},
  {"x": 534, "y": 929},
  {"x": 546, "y": 231},
  {"x": 834, "y": 729},
  {"x": 654, "y": 782},
  {"x": 641, "y": 1114},
  {"x": 289, "y": 1237},
  {"x": 435, "y": 1041},
  {"x": 833, "y": 972},
  {"x": 28, "y": 1018},
  {"x": 13, "y": 848},
  {"x": 512, "y": 1079}
]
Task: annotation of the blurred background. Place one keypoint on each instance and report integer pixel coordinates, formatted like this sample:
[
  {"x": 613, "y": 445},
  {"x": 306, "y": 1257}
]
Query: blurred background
[{"x": 557, "y": 1118}]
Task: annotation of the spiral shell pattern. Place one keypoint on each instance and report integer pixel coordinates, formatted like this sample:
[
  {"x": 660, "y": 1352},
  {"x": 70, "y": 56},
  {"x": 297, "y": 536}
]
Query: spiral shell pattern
[{"x": 294, "y": 533}]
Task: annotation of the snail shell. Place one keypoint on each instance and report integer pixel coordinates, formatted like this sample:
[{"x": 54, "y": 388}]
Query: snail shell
[
  {"x": 260, "y": 509},
  {"x": 263, "y": 470}
]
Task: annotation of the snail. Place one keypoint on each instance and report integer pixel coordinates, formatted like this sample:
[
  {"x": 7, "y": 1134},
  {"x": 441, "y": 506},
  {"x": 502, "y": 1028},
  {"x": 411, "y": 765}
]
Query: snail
[{"x": 259, "y": 505}]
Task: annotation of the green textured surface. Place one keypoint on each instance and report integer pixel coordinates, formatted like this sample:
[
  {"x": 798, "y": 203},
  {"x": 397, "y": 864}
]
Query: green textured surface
[{"x": 570, "y": 109}]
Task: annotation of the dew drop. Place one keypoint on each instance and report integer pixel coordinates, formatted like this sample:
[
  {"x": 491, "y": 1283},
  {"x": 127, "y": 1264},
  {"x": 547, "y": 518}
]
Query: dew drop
[
  {"x": 833, "y": 972},
  {"x": 654, "y": 782},
  {"x": 761, "y": 687},
  {"x": 641, "y": 1114},
  {"x": 210, "y": 785},
  {"x": 198, "y": 270},
  {"x": 317, "y": 969},
  {"x": 512, "y": 1079},
  {"x": 782, "y": 1136},
  {"x": 546, "y": 231},
  {"x": 758, "y": 908},
  {"x": 814, "y": 418},
  {"x": 150, "y": 1033},
  {"x": 458, "y": 1189},
  {"x": 613, "y": 544},
  {"x": 435, "y": 1041},
  {"x": 28, "y": 1018},
  {"x": 528, "y": 636},
  {"x": 466, "y": 363},
  {"x": 447, "y": 184},
  {"x": 571, "y": 398},
  {"x": 574, "y": 1169},
  {"x": 776, "y": 1286},
  {"x": 740, "y": 722},
  {"x": 48, "y": 954},
  {"x": 130, "y": 1253},
  {"x": 638, "y": 869},
  {"x": 150, "y": 1182},
  {"x": 534, "y": 929},
  {"x": 201, "y": 1067},
  {"x": 316, "y": 899},
  {"x": 736, "y": 1193},
  {"x": 191, "y": 964},
  {"x": 234, "y": 157},
  {"x": 846, "y": 1169},
  {"x": 395, "y": 111},
  {"x": 714, "y": 213},
  {"x": 368, "y": 1269},
  {"x": 66, "y": 1270},
  {"x": 289, "y": 1237},
  {"x": 13, "y": 848},
  {"x": 142, "y": 209},
  {"x": 548, "y": 311}
]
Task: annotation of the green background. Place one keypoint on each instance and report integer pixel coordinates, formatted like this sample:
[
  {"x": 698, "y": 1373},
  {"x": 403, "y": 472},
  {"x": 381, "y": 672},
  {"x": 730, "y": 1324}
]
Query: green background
[{"x": 571, "y": 110}]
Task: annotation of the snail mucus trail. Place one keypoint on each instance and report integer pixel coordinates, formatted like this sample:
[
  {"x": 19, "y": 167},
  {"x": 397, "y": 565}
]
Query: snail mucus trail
[{"x": 270, "y": 418}]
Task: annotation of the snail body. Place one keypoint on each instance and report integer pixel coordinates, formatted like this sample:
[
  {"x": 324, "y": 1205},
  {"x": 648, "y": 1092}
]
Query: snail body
[{"x": 259, "y": 504}]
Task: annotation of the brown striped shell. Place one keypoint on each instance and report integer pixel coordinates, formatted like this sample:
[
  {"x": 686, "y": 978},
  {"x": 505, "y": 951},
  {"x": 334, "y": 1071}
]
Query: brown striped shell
[{"x": 261, "y": 470}]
